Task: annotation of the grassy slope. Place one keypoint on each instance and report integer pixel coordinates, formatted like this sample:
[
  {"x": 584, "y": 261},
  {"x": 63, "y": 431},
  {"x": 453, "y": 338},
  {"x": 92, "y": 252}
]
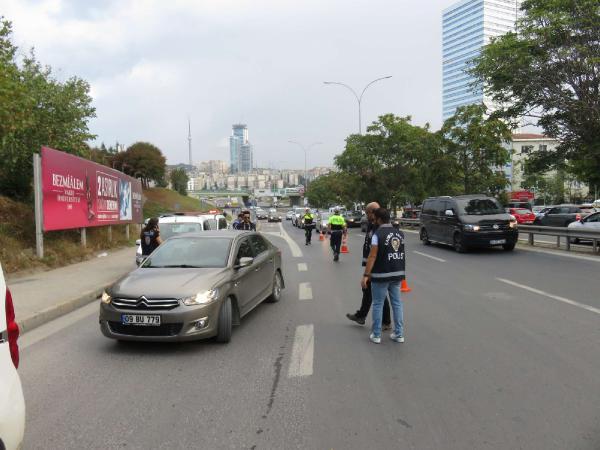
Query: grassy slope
[{"x": 17, "y": 233}]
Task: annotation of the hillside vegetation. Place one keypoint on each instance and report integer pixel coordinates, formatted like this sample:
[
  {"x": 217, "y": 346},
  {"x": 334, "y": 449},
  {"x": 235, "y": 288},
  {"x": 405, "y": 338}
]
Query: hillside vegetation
[{"x": 17, "y": 233}]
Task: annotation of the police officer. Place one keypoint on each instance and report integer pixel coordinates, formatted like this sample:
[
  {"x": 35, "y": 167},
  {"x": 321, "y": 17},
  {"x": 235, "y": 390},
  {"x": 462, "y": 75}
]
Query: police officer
[
  {"x": 360, "y": 315},
  {"x": 337, "y": 227},
  {"x": 246, "y": 223},
  {"x": 150, "y": 237},
  {"x": 385, "y": 268},
  {"x": 309, "y": 224}
]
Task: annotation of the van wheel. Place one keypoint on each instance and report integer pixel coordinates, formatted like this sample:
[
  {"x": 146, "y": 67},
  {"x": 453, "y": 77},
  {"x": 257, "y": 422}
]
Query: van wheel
[
  {"x": 509, "y": 247},
  {"x": 424, "y": 237},
  {"x": 225, "y": 322},
  {"x": 459, "y": 245},
  {"x": 277, "y": 286}
]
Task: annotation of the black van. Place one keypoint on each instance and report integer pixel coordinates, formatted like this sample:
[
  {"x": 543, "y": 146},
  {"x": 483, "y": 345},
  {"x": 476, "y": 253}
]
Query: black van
[{"x": 467, "y": 221}]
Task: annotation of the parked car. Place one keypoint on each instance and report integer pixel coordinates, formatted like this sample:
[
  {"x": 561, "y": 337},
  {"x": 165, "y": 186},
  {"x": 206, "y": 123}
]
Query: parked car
[
  {"x": 171, "y": 225},
  {"x": 523, "y": 216},
  {"x": 590, "y": 222},
  {"x": 322, "y": 222},
  {"x": 467, "y": 221},
  {"x": 559, "y": 216},
  {"x": 352, "y": 218},
  {"x": 193, "y": 286},
  {"x": 274, "y": 216},
  {"x": 289, "y": 215},
  {"x": 12, "y": 403}
]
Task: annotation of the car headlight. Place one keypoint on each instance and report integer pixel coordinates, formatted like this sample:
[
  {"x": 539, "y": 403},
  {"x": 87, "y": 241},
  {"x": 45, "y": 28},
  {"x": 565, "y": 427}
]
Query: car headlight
[
  {"x": 202, "y": 298},
  {"x": 106, "y": 298},
  {"x": 469, "y": 227},
  {"x": 513, "y": 222}
]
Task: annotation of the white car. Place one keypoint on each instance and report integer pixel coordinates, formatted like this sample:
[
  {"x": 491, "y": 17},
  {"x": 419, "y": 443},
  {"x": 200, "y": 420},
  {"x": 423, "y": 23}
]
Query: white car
[
  {"x": 12, "y": 403},
  {"x": 591, "y": 222},
  {"x": 172, "y": 224}
]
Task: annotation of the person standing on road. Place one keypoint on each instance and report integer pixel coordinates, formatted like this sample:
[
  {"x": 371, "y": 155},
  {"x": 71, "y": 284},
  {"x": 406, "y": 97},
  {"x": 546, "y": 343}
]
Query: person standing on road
[
  {"x": 337, "y": 227},
  {"x": 150, "y": 237},
  {"x": 238, "y": 221},
  {"x": 309, "y": 224},
  {"x": 246, "y": 224},
  {"x": 360, "y": 315},
  {"x": 385, "y": 269}
]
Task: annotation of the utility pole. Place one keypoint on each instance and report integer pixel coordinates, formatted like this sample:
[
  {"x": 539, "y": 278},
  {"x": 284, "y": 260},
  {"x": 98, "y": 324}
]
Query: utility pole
[{"x": 190, "y": 140}]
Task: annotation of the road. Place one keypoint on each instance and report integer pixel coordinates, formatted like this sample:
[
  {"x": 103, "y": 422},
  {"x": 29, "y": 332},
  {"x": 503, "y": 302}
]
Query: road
[{"x": 502, "y": 352}]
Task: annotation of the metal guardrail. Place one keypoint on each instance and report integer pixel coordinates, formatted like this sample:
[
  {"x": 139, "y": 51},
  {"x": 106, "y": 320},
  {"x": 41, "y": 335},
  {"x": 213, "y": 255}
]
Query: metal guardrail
[{"x": 568, "y": 234}]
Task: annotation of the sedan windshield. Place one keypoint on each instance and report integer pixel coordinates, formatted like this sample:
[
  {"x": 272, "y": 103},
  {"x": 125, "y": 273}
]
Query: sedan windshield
[
  {"x": 171, "y": 229},
  {"x": 479, "y": 206},
  {"x": 190, "y": 252},
  {"x": 522, "y": 211}
]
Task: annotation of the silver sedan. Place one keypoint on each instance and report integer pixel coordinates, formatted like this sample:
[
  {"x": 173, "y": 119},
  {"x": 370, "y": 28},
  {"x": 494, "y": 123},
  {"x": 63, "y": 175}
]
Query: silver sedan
[{"x": 193, "y": 286}]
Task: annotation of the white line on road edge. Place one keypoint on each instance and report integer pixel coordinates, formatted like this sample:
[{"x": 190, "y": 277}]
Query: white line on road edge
[
  {"x": 429, "y": 256},
  {"x": 410, "y": 231},
  {"x": 305, "y": 291},
  {"x": 555, "y": 297},
  {"x": 558, "y": 253},
  {"x": 296, "y": 252},
  {"x": 301, "y": 363},
  {"x": 302, "y": 267}
]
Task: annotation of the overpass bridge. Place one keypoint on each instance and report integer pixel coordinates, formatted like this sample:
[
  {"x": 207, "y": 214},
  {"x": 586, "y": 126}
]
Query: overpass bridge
[{"x": 244, "y": 196}]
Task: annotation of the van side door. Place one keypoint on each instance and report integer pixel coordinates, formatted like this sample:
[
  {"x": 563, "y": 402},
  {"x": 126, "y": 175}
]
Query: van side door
[{"x": 448, "y": 223}]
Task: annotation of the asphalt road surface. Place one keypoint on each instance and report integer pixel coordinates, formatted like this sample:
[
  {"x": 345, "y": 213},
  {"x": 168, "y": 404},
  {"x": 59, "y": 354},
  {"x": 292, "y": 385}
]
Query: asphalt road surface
[{"x": 502, "y": 352}]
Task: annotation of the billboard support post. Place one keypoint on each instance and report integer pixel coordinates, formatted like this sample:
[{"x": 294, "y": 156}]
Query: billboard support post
[
  {"x": 83, "y": 237},
  {"x": 109, "y": 233},
  {"x": 37, "y": 192},
  {"x": 127, "y": 232}
]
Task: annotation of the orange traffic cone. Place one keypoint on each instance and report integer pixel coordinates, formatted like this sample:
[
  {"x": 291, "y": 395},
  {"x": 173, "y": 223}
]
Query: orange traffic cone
[
  {"x": 344, "y": 246},
  {"x": 404, "y": 286},
  {"x": 321, "y": 237}
]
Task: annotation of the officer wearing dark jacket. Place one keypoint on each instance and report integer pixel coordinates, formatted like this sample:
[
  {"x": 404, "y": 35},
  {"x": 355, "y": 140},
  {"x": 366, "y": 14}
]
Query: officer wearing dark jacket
[
  {"x": 385, "y": 269},
  {"x": 360, "y": 315}
]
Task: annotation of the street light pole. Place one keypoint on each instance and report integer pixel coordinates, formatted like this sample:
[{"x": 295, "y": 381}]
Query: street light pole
[
  {"x": 306, "y": 149},
  {"x": 358, "y": 97}
]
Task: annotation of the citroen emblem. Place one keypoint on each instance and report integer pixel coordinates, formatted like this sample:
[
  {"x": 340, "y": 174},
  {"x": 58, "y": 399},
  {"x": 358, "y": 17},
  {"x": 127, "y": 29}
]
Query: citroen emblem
[{"x": 496, "y": 227}]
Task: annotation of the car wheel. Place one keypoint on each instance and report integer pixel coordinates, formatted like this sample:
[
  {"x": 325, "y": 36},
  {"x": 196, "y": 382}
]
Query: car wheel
[
  {"x": 277, "y": 287},
  {"x": 225, "y": 322},
  {"x": 509, "y": 247},
  {"x": 425, "y": 237},
  {"x": 459, "y": 245}
]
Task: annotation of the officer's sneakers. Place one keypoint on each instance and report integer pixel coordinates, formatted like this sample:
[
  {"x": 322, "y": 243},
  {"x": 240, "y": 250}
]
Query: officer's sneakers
[
  {"x": 397, "y": 337},
  {"x": 375, "y": 339},
  {"x": 355, "y": 318},
  {"x": 336, "y": 257}
]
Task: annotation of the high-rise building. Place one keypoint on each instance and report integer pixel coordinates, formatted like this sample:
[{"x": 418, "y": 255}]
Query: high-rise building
[
  {"x": 240, "y": 150},
  {"x": 468, "y": 26}
]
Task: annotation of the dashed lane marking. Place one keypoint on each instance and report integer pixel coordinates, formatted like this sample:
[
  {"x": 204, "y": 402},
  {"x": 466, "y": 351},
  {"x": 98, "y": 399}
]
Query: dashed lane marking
[
  {"x": 296, "y": 252},
  {"x": 552, "y": 296},
  {"x": 429, "y": 256},
  {"x": 305, "y": 291},
  {"x": 302, "y": 267},
  {"x": 301, "y": 361}
]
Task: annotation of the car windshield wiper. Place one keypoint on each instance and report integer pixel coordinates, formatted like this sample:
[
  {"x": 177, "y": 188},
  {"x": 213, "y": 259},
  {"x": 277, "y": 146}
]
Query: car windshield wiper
[{"x": 182, "y": 266}]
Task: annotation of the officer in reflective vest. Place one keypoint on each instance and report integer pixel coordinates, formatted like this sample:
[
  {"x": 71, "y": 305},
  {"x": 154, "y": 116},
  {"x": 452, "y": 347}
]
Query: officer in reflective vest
[
  {"x": 308, "y": 220},
  {"x": 337, "y": 227},
  {"x": 385, "y": 269}
]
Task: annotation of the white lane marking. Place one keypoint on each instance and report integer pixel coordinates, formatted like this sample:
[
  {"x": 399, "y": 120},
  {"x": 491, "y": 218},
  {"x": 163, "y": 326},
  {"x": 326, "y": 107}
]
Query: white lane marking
[
  {"x": 410, "y": 231},
  {"x": 301, "y": 362},
  {"x": 559, "y": 253},
  {"x": 48, "y": 329},
  {"x": 296, "y": 252},
  {"x": 305, "y": 291},
  {"x": 302, "y": 267},
  {"x": 429, "y": 256},
  {"x": 552, "y": 296}
]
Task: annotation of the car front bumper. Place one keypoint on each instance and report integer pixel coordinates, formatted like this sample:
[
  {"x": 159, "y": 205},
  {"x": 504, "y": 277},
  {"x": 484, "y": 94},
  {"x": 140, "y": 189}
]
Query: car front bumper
[
  {"x": 178, "y": 324},
  {"x": 483, "y": 239}
]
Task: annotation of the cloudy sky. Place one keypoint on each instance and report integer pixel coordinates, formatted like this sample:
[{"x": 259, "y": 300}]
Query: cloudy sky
[{"x": 151, "y": 64}]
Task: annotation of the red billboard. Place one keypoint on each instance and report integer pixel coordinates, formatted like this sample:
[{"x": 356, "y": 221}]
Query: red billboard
[{"x": 78, "y": 193}]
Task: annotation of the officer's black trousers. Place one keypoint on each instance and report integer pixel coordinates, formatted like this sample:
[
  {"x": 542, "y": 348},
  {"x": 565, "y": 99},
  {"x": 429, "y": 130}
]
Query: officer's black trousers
[
  {"x": 336, "y": 240},
  {"x": 365, "y": 305}
]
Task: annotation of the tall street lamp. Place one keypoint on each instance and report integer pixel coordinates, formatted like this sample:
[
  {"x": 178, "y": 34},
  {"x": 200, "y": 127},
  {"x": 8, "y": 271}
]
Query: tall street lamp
[
  {"x": 358, "y": 97},
  {"x": 306, "y": 149}
]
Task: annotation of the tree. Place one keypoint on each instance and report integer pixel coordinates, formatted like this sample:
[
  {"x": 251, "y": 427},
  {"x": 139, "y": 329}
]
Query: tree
[
  {"x": 144, "y": 161},
  {"x": 335, "y": 188},
  {"x": 548, "y": 71},
  {"x": 36, "y": 110},
  {"x": 179, "y": 181},
  {"x": 476, "y": 146}
]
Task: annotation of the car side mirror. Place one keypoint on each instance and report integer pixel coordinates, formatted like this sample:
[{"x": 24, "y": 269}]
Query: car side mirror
[
  {"x": 138, "y": 242},
  {"x": 244, "y": 262},
  {"x": 449, "y": 213}
]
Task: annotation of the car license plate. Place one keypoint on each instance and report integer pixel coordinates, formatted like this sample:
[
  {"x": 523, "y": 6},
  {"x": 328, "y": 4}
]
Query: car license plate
[
  {"x": 143, "y": 320},
  {"x": 498, "y": 242}
]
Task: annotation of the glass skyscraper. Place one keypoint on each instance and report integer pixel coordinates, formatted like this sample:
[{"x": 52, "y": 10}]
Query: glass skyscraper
[
  {"x": 240, "y": 150},
  {"x": 468, "y": 26}
]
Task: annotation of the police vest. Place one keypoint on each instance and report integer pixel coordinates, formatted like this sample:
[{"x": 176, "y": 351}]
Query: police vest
[
  {"x": 371, "y": 228},
  {"x": 308, "y": 219},
  {"x": 149, "y": 241},
  {"x": 390, "y": 263},
  {"x": 337, "y": 222}
]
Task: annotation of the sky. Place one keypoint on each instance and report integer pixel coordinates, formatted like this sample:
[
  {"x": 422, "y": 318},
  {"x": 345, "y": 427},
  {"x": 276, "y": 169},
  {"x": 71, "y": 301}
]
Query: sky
[{"x": 152, "y": 64}]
